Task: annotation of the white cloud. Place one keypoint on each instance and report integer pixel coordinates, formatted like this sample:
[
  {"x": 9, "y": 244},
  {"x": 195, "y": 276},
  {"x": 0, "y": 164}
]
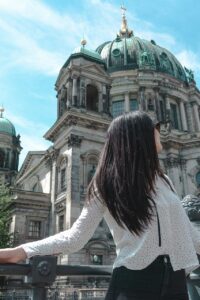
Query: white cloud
[
  {"x": 162, "y": 39},
  {"x": 36, "y": 11},
  {"x": 27, "y": 53},
  {"x": 30, "y": 46},
  {"x": 26, "y": 124},
  {"x": 189, "y": 59},
  {"x": 31, "y": 143},
  {"x": 36, "y": 37}
]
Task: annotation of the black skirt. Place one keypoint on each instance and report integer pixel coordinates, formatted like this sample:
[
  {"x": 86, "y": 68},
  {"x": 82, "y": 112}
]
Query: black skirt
[{"x": 156, "y": 282}]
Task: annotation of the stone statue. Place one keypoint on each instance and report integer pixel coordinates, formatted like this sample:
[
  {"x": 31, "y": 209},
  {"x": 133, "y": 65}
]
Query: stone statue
[
  {"x": 190, "y": 74},
  {"x": 191, "y": 204},
  {"x": 146, "y": 59}
]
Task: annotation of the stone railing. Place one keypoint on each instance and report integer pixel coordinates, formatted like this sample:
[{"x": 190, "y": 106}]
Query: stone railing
[{"x": 42, "y": 272}]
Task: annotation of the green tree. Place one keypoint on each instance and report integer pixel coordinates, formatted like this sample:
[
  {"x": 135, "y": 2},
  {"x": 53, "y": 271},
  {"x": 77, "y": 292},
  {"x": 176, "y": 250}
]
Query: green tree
[{"x": 6, "y": 238}]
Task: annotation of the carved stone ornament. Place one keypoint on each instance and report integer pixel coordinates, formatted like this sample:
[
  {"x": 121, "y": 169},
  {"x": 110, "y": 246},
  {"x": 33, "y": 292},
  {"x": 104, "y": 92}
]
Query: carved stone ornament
[
  {"x": 74, "y": 141},
  {"x": 60, "y": 206},
  {"x": 171, "y": 162},
  {"x": 51, "y": 156}
]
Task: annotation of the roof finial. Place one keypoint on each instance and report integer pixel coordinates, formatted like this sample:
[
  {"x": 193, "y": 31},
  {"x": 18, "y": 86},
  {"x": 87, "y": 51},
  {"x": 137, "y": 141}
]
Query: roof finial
[
  {"x": 124, "y": 27},
  {"x": 83, "y": 41},
  {"x": 123, "y": 9},
  {"x": 1, "y": 111}
]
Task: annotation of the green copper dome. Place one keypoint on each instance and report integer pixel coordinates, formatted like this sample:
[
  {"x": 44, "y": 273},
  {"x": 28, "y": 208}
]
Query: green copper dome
[
  {"x": 130, "y": 52},
  {"x": 134, "y": 53},
  {"x": 7, "y": 127}
]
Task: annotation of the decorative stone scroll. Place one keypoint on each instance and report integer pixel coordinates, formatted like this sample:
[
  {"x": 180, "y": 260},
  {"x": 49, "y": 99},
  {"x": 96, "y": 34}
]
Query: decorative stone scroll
[
  {"x": 74, "y": 140},
  {"x": 171, "y": 162},
  {"x": 50, "y": 156}
]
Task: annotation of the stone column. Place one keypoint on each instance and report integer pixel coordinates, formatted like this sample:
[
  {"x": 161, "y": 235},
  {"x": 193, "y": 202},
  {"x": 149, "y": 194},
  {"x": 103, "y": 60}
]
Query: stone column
[
  {"x": 73, "y": 190},
  {"x": 184, "y": 176},
  {"x": 84, "y": 175},
  {"x": 190, "y": 116},
  {"x": 167, "y": 103},
  {"x": 69, "y": 93},
  {"x": 196, "y": 116},
  {"x": 157, "y": 105},
  {"x": 82, "y": 93},
  {"x": 74, "y": 92},
  {"x": 139, "y": 101},
  {"x": 142, "y": 105},
  {"x": 100, "y": 99},
  {"x": 183, "y": 116},
  {"x": 126, "y": 103},
  {"x": 108, "y": 102},
  {"x": 52, "y": 217},
  {"x": 104, "y": 98}
]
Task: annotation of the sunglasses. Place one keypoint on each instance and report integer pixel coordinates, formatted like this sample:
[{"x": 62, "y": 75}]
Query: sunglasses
[{"x": 157, "y": 126}]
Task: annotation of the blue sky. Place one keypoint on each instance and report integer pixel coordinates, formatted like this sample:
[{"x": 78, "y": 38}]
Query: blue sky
[{"x": 37, "y": 37}]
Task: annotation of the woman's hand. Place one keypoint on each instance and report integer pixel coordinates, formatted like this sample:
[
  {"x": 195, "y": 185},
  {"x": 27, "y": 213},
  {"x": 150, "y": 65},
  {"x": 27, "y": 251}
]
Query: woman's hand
[{"x": 12, "y": 255}]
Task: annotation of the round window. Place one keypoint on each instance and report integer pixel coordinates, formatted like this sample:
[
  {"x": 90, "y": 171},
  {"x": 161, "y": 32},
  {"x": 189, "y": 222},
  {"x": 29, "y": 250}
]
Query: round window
[
  {"x": 198, "y": 178},
  {"x": 116, "y": 52}
]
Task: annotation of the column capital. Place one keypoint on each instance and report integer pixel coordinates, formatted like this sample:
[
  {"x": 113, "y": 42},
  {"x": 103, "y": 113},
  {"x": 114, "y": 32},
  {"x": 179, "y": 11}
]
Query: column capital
[
  {"x": 74, "y": 140},
  {"x": 142, "y": 88},
  {"x": 75, "y": 75}
]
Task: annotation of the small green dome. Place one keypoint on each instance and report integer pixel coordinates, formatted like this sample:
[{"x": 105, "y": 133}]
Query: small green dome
[
  {"x": 91, "y": 55},
  {"x": 130, "y": 52},
  {"x": 87, "y": 52},
  {"x": 7, "y": 127}
]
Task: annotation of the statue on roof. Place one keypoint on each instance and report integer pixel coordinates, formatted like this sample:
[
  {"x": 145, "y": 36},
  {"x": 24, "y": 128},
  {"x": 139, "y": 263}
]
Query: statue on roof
[{"x": 190, "y": 74}]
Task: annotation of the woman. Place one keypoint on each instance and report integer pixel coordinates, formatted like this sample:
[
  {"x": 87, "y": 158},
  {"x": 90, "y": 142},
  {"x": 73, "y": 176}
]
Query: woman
[{"x": 155, "y": 241}]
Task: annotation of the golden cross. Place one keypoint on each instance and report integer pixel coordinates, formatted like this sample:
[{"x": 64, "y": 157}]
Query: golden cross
[{"x": 123, "y": 9}]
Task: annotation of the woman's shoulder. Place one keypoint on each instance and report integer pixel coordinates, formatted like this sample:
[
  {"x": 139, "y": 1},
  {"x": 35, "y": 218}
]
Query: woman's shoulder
[
  {"x": 164, "y": 179},
  {"x": 168, "y": 182}
]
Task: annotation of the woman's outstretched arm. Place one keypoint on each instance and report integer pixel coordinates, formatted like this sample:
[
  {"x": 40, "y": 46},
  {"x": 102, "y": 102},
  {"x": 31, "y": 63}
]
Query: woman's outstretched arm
[{"x": 68, "y": 241}]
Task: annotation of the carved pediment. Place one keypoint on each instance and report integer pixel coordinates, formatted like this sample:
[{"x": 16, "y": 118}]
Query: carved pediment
[
  {"x": 31, "y": 160},
  {"x": 94, "y": 69}
]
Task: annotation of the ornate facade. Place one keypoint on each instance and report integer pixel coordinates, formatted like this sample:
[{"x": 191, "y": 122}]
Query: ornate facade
[{"x": 126, "y": 74}]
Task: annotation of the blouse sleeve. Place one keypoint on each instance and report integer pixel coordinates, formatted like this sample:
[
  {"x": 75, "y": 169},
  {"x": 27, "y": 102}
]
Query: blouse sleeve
[
  {"x": 73, "y": 239},
  {"x": 195, "y": 233}
]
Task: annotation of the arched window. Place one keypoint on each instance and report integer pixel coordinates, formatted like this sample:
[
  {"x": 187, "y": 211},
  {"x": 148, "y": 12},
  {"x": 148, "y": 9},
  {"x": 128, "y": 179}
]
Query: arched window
[
  {"x": 150, "y": 105},
  {"x": 117, "y": 108},
  {"x": 62, "y": 174},
  {"x": 2, "y": 158},
  {"x": 37, "y": 187},
  {"x": 91, "y": 167},
  {"x": 133, "y": 105},
  {"x": 92, "y": 98},
  {"x": 174, "y": 115},
  {"x": 162, "y": 113}
]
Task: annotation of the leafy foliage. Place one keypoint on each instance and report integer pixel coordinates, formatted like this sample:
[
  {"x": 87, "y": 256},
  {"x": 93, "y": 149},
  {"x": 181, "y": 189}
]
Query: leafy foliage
[{"x": 6, "y": 239}]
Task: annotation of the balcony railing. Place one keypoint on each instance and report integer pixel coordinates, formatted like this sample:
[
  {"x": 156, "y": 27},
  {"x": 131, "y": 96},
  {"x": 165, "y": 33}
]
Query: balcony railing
[{"x": 42, "y": 272}]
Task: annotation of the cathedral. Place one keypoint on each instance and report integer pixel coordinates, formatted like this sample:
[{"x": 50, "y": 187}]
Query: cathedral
[{"x": 93, "y": 87}]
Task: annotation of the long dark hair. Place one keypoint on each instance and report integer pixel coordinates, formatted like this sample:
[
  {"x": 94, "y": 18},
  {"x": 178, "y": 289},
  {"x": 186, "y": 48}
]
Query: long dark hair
[{"x": 126, "y": 172}]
